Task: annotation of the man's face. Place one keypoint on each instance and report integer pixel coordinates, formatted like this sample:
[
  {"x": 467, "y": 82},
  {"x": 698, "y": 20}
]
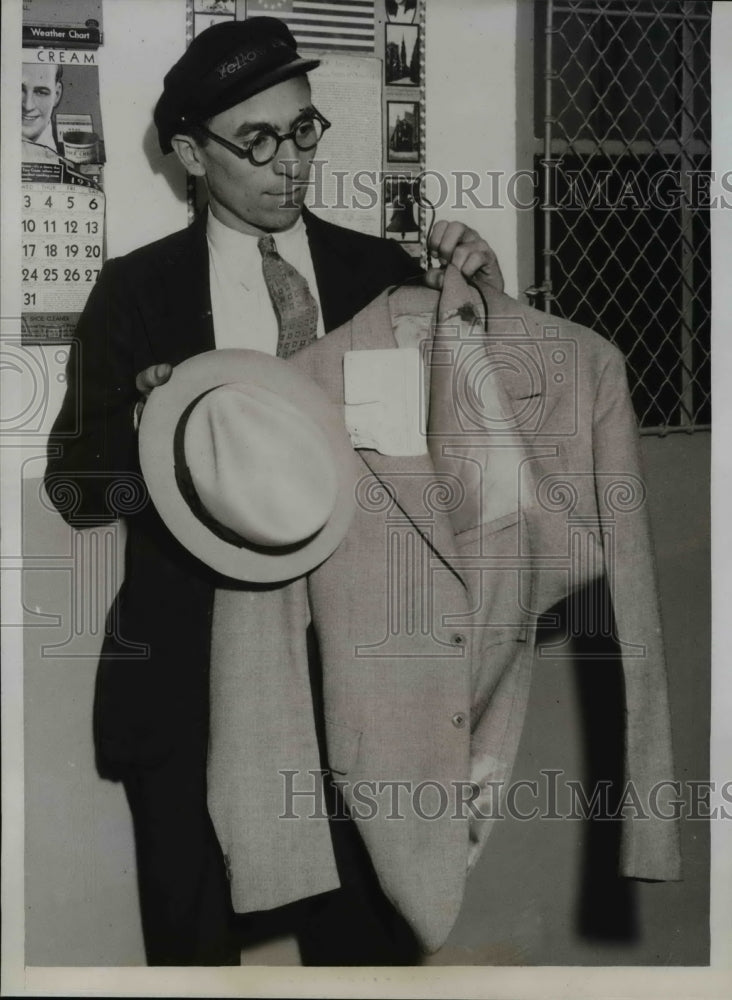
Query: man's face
[
  {"x": 250, "y": 198},
  {"x": 40, "y": 93}
]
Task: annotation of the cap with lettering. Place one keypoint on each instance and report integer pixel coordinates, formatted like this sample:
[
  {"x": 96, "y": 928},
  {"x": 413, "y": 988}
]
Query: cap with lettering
[{"x": 226, "y": 64}]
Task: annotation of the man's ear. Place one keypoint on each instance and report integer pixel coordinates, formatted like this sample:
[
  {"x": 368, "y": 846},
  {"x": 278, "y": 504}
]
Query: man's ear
[
  {"x": 189, "y": 153},
  {"x": 59, "y": 93}
]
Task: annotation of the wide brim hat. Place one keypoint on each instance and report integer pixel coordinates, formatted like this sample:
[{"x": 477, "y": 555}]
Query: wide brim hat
[{"x": 165, "y": 414}]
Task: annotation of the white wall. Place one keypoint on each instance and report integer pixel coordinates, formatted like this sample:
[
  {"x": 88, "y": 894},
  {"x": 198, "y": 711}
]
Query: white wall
[
  {"x": 471, "y": 111},
  {"x": 146, "y": 194}
]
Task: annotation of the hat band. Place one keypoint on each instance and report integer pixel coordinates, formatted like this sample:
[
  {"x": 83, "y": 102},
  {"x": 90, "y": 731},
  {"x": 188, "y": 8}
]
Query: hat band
[{"x": 184, "y": 482}]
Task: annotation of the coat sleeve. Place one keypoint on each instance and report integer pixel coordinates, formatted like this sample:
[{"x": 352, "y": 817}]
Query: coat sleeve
[
  {"x": 92, "y": 473},
  {"x": 650, "y": 839}
]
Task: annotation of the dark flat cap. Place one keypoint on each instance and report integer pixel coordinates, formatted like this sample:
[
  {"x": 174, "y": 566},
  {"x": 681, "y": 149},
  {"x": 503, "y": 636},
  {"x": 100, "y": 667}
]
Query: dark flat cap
[{"x": 224, "y": 65}]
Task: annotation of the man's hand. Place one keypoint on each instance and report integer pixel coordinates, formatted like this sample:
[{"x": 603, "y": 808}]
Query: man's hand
[
  {"x": 146, "y": 381},
  {"x": 454, "y": 243}
]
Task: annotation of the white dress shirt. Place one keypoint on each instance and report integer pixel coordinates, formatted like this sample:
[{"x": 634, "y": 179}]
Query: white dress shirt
[
  {"x": 46, "y": 138},
  {"x": 243, "y": 315},
  {"x": 41, "y": 149}
]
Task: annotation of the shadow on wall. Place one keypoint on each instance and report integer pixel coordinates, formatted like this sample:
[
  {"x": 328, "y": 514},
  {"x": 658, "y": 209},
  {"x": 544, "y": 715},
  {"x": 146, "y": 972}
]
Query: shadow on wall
[{"x": 607, "y": 906}]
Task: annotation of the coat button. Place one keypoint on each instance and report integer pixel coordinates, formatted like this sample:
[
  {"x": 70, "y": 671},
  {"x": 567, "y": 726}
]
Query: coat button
[
  {"x": 458, "y": 639},
  {"x": 459, "y": 720}
]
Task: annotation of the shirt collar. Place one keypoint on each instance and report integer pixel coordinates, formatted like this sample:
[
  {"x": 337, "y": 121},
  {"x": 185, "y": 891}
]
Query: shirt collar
[
  {"x": 46, "y": 138},
  {"x": 231, "y": 244}
]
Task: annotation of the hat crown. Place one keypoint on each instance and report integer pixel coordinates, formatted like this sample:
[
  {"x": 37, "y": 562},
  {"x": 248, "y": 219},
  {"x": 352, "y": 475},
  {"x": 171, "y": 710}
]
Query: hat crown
[
  {"x": 213, "y": 45},
  {"x": 260, "y": 467},
  {"x": 226, "y": 64},
  {"x": 291, "y": 425}
]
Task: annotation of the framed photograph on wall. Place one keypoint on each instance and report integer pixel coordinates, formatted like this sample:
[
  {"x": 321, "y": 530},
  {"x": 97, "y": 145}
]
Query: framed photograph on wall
[
  {"x": 214, "y": 7},
  {"x": 203, "y": 21},
  {"x": 401, "y": 11},
  {"x": 401, "y": 208},
  {"x": 402, "y": 131},
  {"x": 401, "y": 56}
]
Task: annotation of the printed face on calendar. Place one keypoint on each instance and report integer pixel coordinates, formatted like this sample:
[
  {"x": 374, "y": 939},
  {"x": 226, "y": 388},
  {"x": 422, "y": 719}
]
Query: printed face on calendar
[{"x": 40, "y": 92}]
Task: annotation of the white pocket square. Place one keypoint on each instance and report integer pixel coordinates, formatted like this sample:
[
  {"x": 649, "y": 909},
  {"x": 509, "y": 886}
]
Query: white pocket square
[{"x": 384, "y": 400}]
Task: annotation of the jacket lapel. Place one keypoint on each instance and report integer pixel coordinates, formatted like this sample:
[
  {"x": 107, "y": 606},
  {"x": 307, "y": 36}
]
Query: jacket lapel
[
  {"x": 340, "y": 271},
  {"x": 186, "y": 327},
  {"x": 527, "y": 341},
  {"x": 411, "y": 480},
  {"x": 512, "y": 346}
]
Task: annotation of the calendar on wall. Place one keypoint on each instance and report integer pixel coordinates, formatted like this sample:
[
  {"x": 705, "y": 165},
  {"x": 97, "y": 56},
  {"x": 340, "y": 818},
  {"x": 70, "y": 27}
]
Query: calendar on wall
[
  {"x": 62, "y": 246},
  {"x": 62, "y": 166}
]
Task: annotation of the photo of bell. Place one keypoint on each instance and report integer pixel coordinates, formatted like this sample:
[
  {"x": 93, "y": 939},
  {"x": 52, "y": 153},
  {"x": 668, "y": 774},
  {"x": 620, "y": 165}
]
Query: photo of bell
[{"x": 402, "y": 219}]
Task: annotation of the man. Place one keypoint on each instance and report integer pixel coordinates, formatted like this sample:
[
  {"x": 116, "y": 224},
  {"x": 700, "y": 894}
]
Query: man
[
  {"x": 237, "y": 111},
  {"x": 41, "y": 91}
]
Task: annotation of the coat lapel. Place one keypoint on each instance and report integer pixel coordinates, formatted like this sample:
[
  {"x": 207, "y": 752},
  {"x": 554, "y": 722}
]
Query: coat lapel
[
  {"x": 186, "y": 327},
  {"x": 511, "y": 346},
  {"x": 527, "y": 341},
  {"x": 340, "y": 269},
  {"x": 411, "y": 480}
]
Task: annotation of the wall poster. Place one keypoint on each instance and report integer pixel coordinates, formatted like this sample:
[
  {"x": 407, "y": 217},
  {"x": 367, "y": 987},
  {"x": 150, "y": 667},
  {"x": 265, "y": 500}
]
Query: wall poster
[{"x": 62, "y": 158}]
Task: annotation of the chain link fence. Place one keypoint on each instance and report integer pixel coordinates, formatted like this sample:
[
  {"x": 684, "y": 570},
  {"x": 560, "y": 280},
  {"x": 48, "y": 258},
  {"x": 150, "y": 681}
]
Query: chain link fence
[{"x": 623, "y": 127}]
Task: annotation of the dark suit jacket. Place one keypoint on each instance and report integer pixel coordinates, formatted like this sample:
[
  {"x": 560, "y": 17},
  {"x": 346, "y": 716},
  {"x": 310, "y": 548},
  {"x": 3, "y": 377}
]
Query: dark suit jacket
[{"x": 148, "y": 307}]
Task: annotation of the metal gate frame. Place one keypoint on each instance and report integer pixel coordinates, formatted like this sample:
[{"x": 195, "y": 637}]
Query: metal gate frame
[{"x": 686, "y": 147}]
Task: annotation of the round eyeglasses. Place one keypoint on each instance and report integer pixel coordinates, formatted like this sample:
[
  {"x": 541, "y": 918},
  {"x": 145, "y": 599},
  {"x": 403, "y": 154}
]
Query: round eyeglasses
[{"x": 306, "y": 133}]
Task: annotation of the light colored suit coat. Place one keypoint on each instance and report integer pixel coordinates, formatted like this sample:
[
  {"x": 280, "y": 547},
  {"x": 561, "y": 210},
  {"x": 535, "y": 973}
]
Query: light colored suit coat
[{"x": 427, "y": 635}]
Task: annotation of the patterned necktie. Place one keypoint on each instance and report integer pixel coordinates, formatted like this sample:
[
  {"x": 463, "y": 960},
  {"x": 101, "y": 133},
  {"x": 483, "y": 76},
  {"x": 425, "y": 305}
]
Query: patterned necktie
[{"x": 294, "y": 306}]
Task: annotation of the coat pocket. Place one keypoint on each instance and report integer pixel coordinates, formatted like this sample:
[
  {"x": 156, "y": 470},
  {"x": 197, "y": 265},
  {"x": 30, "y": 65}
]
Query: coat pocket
[
  {"x": 498, "y": 577},
  {"x": 343, "y": 743},
  {"x": 491, "y": 538}
]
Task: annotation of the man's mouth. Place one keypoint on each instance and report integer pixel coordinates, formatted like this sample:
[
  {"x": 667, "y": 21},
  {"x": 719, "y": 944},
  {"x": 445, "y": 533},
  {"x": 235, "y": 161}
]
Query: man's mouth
[{"x": 287, "y": 194}]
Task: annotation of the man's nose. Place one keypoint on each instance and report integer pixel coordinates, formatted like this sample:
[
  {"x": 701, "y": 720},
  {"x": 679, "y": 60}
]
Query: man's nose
[
  {"x": 26, "y": 99},
  {"x": 289, "y": 160}
]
